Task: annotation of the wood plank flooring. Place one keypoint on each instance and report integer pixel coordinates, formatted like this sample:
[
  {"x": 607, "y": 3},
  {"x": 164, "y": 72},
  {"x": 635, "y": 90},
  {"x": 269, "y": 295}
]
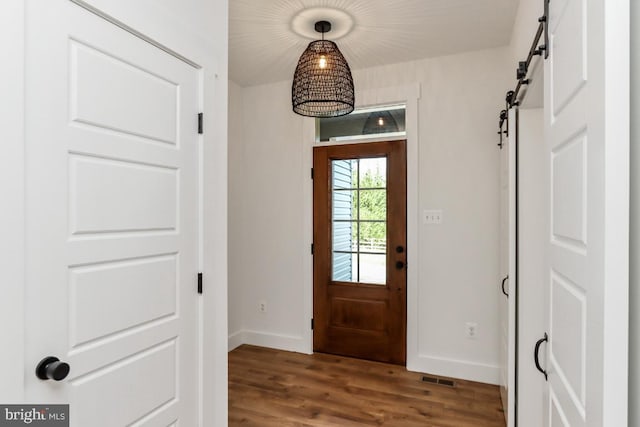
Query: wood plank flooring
[{"x": 276, "y": 388}]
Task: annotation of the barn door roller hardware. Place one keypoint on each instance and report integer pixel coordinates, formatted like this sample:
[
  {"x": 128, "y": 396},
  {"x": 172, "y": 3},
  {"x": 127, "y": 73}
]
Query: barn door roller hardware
[
  {"x": 503, "y": 118},
  {"x": 536, "y": 49}
]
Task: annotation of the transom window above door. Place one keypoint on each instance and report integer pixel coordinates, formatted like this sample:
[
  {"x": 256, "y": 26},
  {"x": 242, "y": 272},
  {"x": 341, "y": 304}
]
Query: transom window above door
[{"x": 365, "y": 123}]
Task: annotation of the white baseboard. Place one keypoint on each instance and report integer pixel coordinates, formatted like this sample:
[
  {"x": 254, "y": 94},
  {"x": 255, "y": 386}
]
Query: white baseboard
[
  {"x": 236, "y": 340},
  {"x": 461, "y": 369},
  {"x": 269, "y": 340}
]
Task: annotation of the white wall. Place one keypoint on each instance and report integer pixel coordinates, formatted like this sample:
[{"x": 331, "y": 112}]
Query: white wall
[
  {"x": 265, "y": 252},
  {"x": 12, "y": 186},
  {"x": 458, "y": 278},
  {"x": 634, "y": 260},
  {"x": 236, "y": 209},
  {"x": 459, "y": 173}
]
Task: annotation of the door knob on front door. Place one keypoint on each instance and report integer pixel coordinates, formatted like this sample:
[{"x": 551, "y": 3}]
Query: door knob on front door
[
  {"x": 400, "y": 265},
  {"x": 51, "y": 368}
]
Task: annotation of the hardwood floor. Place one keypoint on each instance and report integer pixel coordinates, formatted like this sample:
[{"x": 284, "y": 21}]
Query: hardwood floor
[{"x": 276, "y": 388}]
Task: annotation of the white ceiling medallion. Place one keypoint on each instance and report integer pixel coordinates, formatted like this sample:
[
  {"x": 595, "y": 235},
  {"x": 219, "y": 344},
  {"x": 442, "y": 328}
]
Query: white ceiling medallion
[{"x": 303, "y": 22}]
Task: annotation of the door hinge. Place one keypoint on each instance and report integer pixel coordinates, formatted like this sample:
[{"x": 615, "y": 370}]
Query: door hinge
[
  {"x": 311, "y": 173},
  {"x": 199, "y": 283},
  {"x": 311, "y": 324},
  {"x": 200, "y": 125},
  {"x": 312, "y": 249}
]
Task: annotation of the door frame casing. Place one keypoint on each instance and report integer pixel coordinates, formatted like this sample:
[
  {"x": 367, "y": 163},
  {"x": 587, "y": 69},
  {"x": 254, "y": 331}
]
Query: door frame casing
[
  {"x": 212, "y": 60},
  {"x": 410, "y": 96},
  {"x": 616, "y": 132},
  {"x": 12, "y": 222}
]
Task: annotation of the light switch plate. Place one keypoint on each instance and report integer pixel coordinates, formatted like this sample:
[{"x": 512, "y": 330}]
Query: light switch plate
[{"x": 432, "y": 216}]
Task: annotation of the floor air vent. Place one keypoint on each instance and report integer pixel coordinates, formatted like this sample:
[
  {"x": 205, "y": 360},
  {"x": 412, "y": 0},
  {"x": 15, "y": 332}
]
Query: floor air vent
[{"x": 440, "y": 381}]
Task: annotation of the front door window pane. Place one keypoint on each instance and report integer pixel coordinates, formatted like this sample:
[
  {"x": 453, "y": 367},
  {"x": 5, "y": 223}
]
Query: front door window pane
[
  {"x": 344, "y": 236},
  {"x": 344, "y": 174},
  {"x": 359, "y": 220},
  {"x": 374, "y": 173},
  {"x": 372, "y": 204},
  {"x": 373, "y": 237},
  {"x": 373, "y": 268},
  {"x": 344, "y": 205},
  {"x": 345, "y": 266}
]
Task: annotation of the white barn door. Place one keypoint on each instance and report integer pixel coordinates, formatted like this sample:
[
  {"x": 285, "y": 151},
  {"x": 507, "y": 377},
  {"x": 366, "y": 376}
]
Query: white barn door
[
  {"x": 533, "y": 232},
  {"x": 112, "y": 222},
  {"x": 503, "y": 303},
  {"x": 508, "y": 290},
  {"x": 504, "y": 286},
  {"x": 586, "y": 124}
]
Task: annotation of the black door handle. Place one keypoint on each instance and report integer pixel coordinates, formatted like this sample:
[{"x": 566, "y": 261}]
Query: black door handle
[
  {"x": 400, "y": 265},
  {"x": 399, "y": 249},
  {"x": 51, "y": 368},
  {"x": 502, "y": 286},
  {"x": 536, "y": 355}
]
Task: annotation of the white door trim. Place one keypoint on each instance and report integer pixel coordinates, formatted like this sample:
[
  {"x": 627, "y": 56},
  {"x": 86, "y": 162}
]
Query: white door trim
[
  {"x": 616, "y": 133},
  {"x": 513, "y": 261},
  {"x": 408, "y": 95},
  {"x": 12, "y": 223},
  {"x": 138, "y": 34}
]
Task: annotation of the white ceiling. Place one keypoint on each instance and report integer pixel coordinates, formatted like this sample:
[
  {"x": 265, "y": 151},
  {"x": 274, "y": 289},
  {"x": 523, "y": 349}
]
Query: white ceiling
[{"x": 265, "y": 44}]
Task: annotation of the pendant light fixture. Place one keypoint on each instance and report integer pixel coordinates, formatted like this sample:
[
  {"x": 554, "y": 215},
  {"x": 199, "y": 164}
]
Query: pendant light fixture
[{"x": 322, "y": 82}]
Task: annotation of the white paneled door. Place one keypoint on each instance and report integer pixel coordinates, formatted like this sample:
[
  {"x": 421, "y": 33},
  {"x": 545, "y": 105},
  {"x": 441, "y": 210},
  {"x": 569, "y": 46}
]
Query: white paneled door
[
  {"x": 112, "y": 222},
  {"x": 586, "y": 122}
]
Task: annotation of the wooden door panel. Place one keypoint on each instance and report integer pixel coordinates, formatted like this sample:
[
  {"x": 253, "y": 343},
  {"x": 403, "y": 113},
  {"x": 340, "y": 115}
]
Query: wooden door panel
[
  {"x": 353, "y": 318},
  {"x": 355, "y": 313}
]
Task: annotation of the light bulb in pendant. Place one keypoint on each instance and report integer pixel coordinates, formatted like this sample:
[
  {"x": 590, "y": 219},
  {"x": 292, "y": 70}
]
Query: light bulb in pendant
[
  {"x": 380, "y": 121},
  {"x": 322, "y": 63}
]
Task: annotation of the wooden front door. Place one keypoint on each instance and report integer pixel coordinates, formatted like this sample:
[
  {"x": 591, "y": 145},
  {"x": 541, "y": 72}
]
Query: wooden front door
[{"x": 360, "y": 234}]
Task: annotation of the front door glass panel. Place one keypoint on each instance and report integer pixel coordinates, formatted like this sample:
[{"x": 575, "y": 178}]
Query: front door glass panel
[{"x": 359, "y": 220}]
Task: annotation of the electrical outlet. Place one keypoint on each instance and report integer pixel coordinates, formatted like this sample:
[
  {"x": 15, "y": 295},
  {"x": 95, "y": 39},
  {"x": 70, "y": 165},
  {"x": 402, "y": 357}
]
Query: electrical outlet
[
  {"x": 471, "y": 330},
  {"x": 432, "y": 216},
  {"x": 262, "y": 306}
]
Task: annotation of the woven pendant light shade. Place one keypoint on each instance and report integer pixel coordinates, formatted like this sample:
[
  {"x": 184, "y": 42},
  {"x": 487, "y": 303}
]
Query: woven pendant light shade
[{"x": 322, "y": 83}]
